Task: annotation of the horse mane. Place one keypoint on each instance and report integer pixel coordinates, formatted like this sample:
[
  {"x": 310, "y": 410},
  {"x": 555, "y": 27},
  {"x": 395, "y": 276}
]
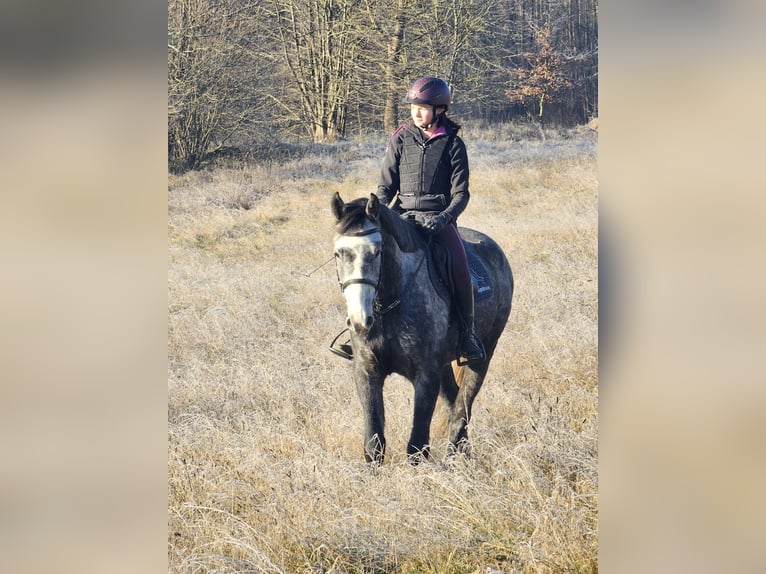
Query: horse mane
[{"x": 403, "y": 231}]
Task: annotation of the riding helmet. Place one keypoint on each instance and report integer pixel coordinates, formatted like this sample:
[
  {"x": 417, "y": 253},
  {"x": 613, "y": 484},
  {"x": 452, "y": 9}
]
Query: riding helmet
[{"x": 428, "y": 90}]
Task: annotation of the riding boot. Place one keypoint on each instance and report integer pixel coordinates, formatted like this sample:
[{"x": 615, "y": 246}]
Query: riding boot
[{"x": 470, "y": 347}]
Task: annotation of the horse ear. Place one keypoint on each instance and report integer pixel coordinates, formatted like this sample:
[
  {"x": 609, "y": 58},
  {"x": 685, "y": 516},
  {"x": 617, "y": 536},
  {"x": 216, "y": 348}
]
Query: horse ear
[
  {"x": 337, "y": 206},
  {"x": 373, "y": 207}
]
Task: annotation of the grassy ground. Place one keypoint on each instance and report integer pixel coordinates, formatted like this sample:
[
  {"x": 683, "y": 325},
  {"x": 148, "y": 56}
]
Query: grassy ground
[{"x": 265, "y": 432}]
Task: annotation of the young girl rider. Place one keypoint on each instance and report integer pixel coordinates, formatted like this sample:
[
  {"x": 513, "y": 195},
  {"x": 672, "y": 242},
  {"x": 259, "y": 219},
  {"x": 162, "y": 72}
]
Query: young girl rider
[{"x": 426, "y": 169}]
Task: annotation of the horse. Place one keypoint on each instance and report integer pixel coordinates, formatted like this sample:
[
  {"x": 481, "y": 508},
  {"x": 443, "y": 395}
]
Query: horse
[{"x": 400, "y": 322}]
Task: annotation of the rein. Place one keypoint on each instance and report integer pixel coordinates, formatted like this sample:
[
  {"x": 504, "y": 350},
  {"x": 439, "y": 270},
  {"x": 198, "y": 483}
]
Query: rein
[{"x": 398, "y": 300}]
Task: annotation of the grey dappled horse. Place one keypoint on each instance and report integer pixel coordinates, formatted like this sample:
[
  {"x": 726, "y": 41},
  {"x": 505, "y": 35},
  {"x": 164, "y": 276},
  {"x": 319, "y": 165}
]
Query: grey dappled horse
[{"x": 399, "y": 322}]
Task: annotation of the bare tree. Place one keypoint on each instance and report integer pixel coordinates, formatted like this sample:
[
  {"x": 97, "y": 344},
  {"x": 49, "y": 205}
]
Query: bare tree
[
  {"x": 387, "y": 33},
  {"x": 407, "y": 39},
  {"x": 213, "y": 75},
  {"x": 317, "y": 40},
  {"x": 458, "y": 25}
]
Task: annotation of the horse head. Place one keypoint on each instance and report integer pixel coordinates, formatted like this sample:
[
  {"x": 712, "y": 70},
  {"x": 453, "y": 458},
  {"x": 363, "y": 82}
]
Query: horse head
[{"x": 358, "y": 246}]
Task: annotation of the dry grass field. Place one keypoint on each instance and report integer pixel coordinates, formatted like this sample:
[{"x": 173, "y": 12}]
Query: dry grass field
[{"x": 265, "y": 464}]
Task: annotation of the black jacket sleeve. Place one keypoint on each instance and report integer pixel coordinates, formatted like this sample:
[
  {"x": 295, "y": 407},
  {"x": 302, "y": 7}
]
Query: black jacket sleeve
[{"x": 459, "y": 194}]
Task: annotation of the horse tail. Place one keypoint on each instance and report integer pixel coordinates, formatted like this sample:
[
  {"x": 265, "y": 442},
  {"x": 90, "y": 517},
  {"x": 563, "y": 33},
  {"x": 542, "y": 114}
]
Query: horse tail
[{"x": 440, "y": 423}]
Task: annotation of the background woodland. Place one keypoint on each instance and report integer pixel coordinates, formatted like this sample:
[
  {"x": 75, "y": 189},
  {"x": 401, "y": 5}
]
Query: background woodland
[{"x": 249, "y": 75}]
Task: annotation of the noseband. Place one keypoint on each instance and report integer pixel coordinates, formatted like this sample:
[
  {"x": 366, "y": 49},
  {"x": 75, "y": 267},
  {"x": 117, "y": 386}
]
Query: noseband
[{"x": 358, "y": 280}]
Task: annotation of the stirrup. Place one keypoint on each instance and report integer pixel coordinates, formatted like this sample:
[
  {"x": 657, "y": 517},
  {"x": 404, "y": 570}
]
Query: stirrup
[{"x": 342, "y": 349}]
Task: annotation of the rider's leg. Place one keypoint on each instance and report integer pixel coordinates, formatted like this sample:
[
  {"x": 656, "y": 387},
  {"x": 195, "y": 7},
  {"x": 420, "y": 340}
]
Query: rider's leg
[{"x": 470, "y": 347}]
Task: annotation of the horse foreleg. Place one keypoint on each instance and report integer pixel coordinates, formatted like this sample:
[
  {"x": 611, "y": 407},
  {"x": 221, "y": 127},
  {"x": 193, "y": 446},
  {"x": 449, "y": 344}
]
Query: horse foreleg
[
  {"x": 426, "y": 393},
  {"x": 370, "y": 390}
]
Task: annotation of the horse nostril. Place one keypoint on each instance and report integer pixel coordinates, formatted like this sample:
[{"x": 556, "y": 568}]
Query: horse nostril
[
  {"x": 368, "y": 322},
  {"x": 348, "y": 321}
]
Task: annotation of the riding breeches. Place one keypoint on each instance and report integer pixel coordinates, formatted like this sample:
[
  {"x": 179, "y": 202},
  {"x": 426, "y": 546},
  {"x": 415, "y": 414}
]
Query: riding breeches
[{"x": 450, "y": 238}]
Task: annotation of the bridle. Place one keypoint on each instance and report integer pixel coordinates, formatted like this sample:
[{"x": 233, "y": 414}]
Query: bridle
[
  {"x": 377, "y": 307},
  {"x": 362, "y": 280}
]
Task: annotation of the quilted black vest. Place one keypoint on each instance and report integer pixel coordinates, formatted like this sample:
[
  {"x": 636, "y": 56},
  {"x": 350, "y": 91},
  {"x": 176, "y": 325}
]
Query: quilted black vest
[{"x": 424, "y": 173}]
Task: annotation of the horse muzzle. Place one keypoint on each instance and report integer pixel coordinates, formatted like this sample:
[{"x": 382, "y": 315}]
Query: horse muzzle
[
  {"x": 360, "y": 299},
  {"x": 360, "y": 326}
]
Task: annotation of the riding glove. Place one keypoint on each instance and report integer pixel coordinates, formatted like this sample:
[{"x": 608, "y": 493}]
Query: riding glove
[{"x": 436, "y": 222}]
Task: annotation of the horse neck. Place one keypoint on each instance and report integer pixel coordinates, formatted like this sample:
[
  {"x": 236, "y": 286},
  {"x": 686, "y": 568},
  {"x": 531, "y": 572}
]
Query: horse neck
[
  {"x": 403, "y": 232},
  {"x": 399, "y": 266}
]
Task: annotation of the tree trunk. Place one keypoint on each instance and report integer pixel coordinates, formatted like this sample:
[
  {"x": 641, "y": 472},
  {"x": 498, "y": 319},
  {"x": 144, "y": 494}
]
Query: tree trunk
[{"x": 390, "y": 67}]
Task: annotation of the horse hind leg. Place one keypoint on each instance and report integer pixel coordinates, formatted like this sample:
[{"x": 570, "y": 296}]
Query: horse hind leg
[
  {"x": 459, "y": 387},
  {"x": 447, "y": 394},
  {"x": 469, "y": 379}
]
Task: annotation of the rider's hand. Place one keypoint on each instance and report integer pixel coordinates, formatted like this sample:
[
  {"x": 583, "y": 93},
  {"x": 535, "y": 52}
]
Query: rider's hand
[{"x": 435, "y": 223}]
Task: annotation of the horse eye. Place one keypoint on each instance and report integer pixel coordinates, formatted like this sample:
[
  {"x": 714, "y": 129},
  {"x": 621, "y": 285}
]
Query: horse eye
[{"x": 343, "y": 255}]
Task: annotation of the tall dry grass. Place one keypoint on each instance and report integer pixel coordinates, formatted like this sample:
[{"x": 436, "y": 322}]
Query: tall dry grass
[{"x": 265, "y": 445}]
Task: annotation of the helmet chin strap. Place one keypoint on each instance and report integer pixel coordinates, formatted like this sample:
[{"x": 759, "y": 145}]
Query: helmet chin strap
[{"x": 436, "y": 119}]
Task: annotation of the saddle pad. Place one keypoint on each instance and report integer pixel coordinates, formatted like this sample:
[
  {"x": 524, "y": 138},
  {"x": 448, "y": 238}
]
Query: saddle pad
[{"x": 482, "y": 285}]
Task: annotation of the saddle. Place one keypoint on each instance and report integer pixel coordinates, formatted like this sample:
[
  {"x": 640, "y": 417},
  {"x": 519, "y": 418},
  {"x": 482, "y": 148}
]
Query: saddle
[{"x": 440, "y": 268}]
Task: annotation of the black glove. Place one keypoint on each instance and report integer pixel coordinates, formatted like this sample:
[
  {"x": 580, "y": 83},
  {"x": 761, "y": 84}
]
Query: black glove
[{"x": 434, "y": 223}]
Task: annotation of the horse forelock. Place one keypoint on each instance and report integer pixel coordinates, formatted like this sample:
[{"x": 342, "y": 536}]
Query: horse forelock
[{"x": 354, "y": 216}]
